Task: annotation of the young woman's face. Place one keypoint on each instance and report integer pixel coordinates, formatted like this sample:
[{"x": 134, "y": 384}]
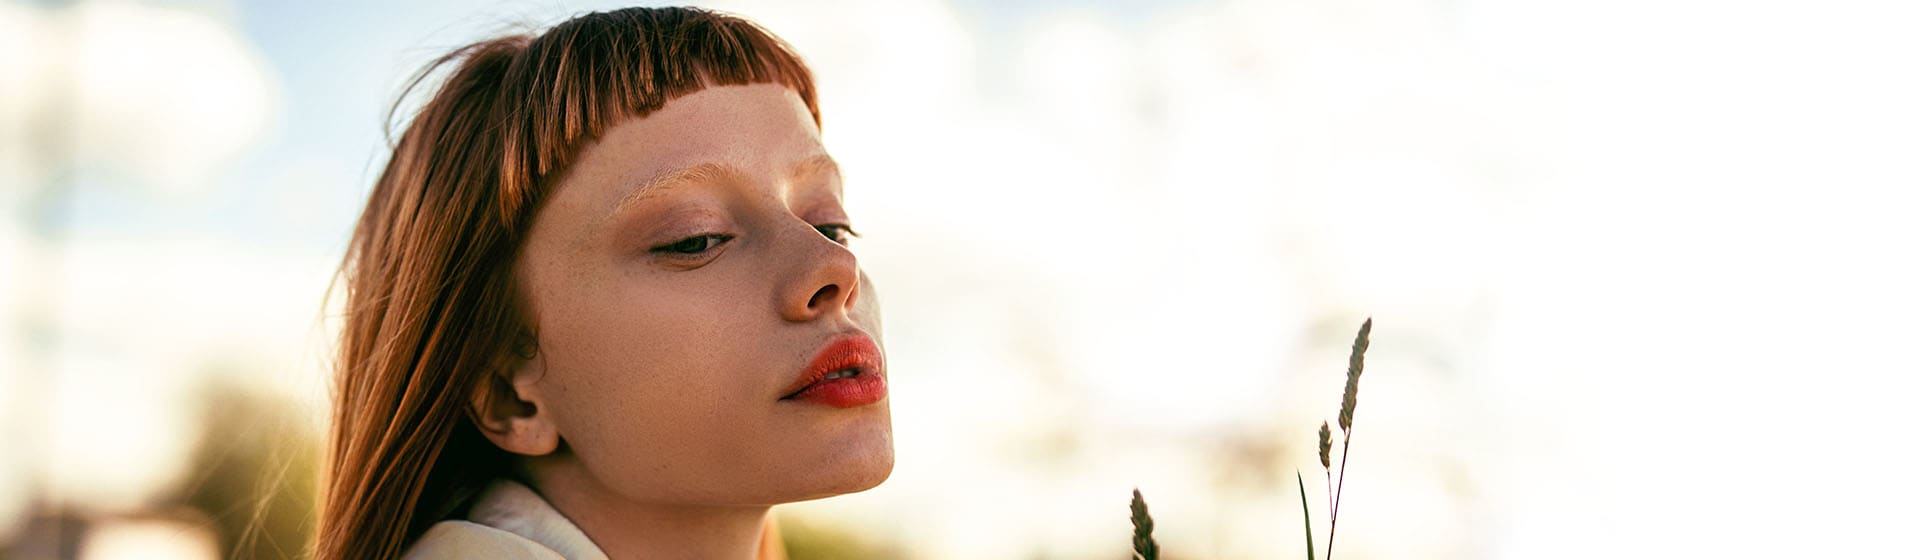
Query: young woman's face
[{"x": 663, "y": 356}]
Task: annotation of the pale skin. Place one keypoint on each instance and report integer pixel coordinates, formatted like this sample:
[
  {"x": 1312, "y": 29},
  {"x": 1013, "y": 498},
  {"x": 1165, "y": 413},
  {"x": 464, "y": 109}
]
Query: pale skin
[{"x": 651, "y": 415}]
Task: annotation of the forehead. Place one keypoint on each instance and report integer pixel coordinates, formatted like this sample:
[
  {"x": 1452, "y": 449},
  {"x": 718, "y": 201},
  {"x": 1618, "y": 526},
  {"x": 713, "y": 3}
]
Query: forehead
[{"x": 760, "y": 129}]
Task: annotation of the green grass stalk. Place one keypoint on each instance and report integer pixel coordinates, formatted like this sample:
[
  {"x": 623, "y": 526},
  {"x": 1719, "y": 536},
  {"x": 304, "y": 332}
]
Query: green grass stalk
[
  {"x": 1349, "y": 399},
  {"x": 1306, "y": 518}
]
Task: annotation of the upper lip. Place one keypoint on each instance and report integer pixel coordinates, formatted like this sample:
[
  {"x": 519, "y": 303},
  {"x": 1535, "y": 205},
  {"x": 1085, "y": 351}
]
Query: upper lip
[{"x": 848, "y": 350}]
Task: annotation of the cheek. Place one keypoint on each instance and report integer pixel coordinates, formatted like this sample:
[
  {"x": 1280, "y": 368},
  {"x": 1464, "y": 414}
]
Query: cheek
[
  {"x": 631, "y": 362},
  {"x": 658, "y": 389}
]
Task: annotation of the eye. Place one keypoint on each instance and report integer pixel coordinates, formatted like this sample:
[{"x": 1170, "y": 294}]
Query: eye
[
  {"x": 693, "y": 246},
  {"x": 839, "y": 233}
]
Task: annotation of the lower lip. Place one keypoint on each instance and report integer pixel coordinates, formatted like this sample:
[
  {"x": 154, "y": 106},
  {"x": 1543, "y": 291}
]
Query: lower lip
[{"x": 846, "y": 392}]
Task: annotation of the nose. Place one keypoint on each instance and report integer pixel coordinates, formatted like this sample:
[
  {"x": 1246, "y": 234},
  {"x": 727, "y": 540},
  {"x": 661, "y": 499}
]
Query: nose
[{"x": 825, "y": 279}]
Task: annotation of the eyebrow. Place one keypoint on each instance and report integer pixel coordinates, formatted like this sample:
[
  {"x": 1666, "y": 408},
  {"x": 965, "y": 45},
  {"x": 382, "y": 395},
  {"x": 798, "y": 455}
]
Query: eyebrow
[
  {"x": 814, "y": 166},
  {"x": 807, "y": 168}
]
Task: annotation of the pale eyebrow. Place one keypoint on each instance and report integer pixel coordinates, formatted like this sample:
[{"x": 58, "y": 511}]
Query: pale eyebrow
[
  {"x": 815, "y": 166},
  {"x": 819, "y": 165},
  {"x": 660, "y": 184}
]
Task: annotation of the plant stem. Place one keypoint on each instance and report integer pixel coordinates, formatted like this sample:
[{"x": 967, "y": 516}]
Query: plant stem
[
  {"x": 1333, "y": 524},
  {"x": 1329, "y": 495}
]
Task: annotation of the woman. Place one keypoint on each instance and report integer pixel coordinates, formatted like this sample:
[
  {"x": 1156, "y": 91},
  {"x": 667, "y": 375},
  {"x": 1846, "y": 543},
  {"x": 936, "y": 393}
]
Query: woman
[{"x": 601, "y": 305}]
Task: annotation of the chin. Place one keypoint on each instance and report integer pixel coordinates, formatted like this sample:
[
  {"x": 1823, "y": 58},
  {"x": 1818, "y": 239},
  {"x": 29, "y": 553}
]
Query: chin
[
  {"x": 857, "y": 478},
  {"x": 862, "y": 467},
  {"x": 874, "y": 472}
]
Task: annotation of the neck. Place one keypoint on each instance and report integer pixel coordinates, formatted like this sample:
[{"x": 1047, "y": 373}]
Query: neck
[{"x": 626, "y": 529}]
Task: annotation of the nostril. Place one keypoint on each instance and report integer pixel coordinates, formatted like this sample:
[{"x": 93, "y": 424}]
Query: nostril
[{"x": 826, "y": 293}]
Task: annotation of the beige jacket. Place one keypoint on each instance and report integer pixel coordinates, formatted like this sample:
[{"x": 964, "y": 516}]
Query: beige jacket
[{"x": 510, "y": 520}]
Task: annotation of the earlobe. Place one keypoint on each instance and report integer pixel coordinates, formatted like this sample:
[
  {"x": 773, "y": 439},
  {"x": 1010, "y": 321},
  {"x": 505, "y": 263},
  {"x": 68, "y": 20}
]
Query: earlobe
[{"x": 509, "y": 411}]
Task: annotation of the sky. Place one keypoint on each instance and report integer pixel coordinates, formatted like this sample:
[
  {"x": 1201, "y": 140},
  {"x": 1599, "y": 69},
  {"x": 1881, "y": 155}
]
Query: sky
[{"x": 1641, "y": 271}]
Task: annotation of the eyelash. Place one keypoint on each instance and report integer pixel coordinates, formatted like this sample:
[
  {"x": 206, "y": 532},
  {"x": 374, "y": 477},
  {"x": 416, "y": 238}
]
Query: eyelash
[
  {"x": 842, "y": 227},
  {"x": 668, "y": 249}
]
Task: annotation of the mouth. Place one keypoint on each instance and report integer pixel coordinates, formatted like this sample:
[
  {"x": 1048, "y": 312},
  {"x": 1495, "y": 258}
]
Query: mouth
[{"x": 849, "y": 371}]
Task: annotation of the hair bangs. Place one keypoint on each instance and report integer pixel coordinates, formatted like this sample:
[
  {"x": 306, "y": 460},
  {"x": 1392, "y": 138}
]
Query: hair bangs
[{"x": 593, "y": 72}]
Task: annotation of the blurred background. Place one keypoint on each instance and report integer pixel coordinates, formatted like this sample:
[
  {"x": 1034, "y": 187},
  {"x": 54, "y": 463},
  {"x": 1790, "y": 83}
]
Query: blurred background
[{"x": 1642, "y": 272}]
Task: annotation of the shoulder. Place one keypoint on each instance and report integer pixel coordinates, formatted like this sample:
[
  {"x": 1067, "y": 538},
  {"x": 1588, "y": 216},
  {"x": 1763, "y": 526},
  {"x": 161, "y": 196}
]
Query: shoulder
[{"x": 466, "y": 539}]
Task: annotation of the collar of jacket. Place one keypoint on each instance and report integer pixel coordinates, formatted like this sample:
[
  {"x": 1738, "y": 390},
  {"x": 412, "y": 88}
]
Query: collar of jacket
[{"x": 509, "y": 520}]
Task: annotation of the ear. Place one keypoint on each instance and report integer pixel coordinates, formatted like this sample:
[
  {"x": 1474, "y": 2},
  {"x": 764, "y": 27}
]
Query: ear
[{"x": 510, "y": 411}]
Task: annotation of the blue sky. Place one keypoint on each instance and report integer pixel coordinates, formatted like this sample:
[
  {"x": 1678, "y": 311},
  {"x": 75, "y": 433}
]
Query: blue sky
[{"x": 337, "y": 65}]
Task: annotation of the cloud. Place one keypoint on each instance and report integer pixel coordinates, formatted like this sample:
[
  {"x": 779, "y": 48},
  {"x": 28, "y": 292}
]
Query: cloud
[{"x": 166, "y": 97}]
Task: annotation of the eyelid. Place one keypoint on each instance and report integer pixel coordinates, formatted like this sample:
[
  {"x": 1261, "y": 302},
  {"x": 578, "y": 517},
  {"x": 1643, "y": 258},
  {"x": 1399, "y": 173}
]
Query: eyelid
[
  {"x": 680, "y": 223},
  {"x": 842, "y": 226},
  {"x": 663, "y": 250}
]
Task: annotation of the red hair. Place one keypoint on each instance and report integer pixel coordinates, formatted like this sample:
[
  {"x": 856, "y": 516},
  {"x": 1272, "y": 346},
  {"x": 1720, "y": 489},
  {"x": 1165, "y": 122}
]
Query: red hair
[{"x": 431, "y": 307}]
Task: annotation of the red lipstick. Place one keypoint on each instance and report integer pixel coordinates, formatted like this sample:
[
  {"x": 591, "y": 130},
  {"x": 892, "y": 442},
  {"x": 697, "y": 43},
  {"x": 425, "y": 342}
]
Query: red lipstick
[{"x": 857, "y": 369}]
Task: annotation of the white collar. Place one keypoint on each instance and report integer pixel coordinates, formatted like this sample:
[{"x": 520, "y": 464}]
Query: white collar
[
  {"x": 508, "y": 520},
  {"x": 515, "y": 508}
]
